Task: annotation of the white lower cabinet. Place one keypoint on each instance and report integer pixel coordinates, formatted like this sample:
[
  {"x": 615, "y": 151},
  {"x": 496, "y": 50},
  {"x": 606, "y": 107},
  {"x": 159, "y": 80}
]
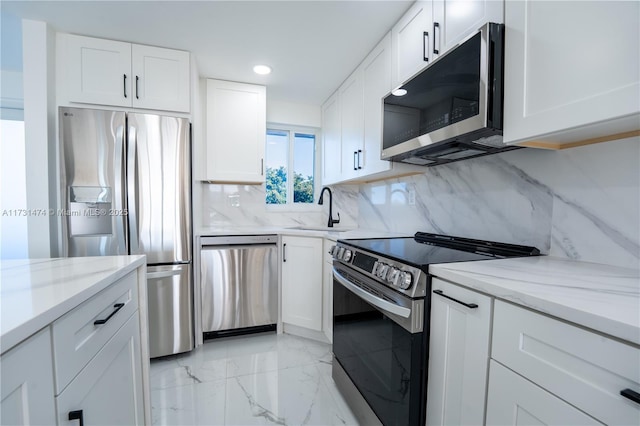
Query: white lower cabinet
[
  {"x": 327, "y": 290},
  {"x": 302, "y": 282},
  {"x": 108, "y": 389},
  {"x": 85, "y": 368},
  {"x": 27, "y": 383},
  {"x": 542, "y": 370},
  {"x": 583, "y": 368},
  {"x": 458, "y": 354},
  {"x": 514, "y": 400}
]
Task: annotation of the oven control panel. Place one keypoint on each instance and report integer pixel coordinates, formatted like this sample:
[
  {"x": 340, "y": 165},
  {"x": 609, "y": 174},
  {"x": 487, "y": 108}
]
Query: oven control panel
[{"x": 401, "y": 277}]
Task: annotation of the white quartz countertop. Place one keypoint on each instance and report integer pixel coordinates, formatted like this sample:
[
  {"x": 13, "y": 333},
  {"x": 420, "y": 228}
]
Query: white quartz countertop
[
  {"x": 302, "y": 230},
  {"x": 601, "y": 297},
  {"x": 36, "y": 292}
]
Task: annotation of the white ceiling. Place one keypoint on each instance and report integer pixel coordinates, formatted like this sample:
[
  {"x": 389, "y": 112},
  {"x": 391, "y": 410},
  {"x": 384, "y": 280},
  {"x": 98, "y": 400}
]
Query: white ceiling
[{"x": 312, "y": 46}]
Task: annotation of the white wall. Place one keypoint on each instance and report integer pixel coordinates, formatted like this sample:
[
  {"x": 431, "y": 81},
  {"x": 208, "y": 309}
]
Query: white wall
[
  {"x": 294, "y": 114},
  {"x": 39, "y": 117}
]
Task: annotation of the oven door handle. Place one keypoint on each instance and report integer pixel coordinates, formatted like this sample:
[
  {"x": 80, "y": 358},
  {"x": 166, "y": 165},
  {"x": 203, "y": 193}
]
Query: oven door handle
[{"x": 374, "y": 300}]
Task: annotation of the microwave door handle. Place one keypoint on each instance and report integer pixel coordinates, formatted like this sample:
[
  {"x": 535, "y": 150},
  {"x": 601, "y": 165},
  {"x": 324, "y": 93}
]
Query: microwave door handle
[
  {"x": 368, "y": 297},
  {"x": 425, "y": 46}
]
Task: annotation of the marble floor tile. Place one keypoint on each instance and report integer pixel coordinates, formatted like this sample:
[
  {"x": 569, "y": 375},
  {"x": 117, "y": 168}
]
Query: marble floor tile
[{"x": 249, "y": 380}]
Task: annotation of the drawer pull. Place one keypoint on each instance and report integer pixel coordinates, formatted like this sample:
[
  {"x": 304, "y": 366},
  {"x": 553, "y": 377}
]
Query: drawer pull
[
  {"x": 117, "y": 307},
  {"x": 468, "y": 305},
  {"x": 631, "y": 394},
  {"x": 76, "y": 415}
]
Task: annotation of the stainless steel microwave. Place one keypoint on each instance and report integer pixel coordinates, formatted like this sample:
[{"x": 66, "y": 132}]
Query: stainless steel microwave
[{"x": 452, "y": 110}]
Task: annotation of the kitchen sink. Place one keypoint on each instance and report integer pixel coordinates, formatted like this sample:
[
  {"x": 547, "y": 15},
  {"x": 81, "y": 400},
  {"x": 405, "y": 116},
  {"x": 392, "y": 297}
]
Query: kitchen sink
[{"x": 319, "y": 228}]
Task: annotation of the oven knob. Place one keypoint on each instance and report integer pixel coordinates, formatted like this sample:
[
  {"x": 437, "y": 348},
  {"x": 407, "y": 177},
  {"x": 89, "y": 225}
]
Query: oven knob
[
  {"x": 376, "y": 265},
  {"x": 347, "y": 255},
  {"x": 393, "y": 275},
  {"x": 339, "y": 253},
  {"x": 405, "y": 279},
  {"x": 382, "y": 271},
  {"x": 332, "y": 250}
]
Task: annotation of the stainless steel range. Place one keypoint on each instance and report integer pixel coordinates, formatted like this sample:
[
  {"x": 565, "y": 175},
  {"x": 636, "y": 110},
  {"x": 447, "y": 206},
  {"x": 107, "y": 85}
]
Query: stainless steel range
[{"x": 381, "y": 308}]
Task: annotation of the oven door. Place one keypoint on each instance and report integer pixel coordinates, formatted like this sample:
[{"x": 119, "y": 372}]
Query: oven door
[{"x": 377, "y": 347}]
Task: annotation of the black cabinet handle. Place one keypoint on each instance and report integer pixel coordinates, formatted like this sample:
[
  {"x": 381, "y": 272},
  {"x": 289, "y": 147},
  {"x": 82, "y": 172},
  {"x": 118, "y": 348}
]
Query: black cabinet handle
[
  {"x": 359, "y": 155},
  {"x": 436, "y": 25},
  {"x": 284, "y": 253},
  {"x": 76, "y": 415},
  {"x": 117, "y": 307},
  {"x": 124, "y": 85},
  {"x": 137, "y": 78},
  {"x": 425, "y": 46},
  {"x": 631, "y": 394},
  {"x": 468, "y": 305},
  {"x": 355, "y": 159}
]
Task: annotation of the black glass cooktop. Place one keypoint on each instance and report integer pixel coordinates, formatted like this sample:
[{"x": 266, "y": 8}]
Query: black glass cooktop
[{"x": 424, "y": 249}]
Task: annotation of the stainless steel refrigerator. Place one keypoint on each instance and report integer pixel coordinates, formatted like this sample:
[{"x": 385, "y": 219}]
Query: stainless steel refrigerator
[{"x": 126, "y": 189}]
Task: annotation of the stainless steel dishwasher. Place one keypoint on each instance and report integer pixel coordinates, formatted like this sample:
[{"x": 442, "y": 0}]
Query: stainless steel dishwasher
[{"x": 239, "y": 284}]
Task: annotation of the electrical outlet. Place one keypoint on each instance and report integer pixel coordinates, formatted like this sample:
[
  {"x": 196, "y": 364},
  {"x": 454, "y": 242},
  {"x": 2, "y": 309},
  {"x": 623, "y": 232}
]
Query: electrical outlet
[{"x": 412, "y": 196}]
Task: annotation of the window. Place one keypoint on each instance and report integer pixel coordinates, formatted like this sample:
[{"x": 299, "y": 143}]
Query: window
[{"x": 290, "y": 166}]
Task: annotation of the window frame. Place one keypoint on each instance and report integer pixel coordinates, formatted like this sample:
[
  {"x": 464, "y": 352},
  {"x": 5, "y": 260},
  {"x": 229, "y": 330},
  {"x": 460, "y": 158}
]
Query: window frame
[{"x": 290, "y": 205}]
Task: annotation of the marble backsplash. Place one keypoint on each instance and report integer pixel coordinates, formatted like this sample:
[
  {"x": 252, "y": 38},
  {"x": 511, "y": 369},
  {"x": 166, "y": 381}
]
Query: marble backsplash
[
  {"x": 244, "y": 205},
  {"x": 580, "y": 203}
]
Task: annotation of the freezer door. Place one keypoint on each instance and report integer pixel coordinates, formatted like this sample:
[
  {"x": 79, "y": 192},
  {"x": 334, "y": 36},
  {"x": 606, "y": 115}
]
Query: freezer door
[
  {"x": 239, "y": 286},
  {"x": 170, "y": 301},
  {"x": 159, "y": 187},
  {"x": 92, "y": 190}
]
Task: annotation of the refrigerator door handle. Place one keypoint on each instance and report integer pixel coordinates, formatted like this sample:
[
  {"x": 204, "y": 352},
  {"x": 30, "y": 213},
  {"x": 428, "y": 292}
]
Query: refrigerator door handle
[
  {"x": 120, "y": 212},
  {"x": 132, "y": 193}
]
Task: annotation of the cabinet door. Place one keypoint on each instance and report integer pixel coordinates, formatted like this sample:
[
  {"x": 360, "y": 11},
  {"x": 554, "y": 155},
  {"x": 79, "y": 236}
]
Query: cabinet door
[
  {"x": 302, "y": 282},
  {"x": 98, "y": 71},
  {"x": 453, "y": 20},
  {"x": 553, "y": 82},
  {"x": 411, "y": 37},
  {"x": 376, "y": 78},
  {"x": 27, "y": 383},
  {"x": 160, "y": 78},
  {"x": 236, "y": 132},
  {"x": 327, "y": 290},
  {"x": 458, "y": 355},
  {"x": 109, "y": 388},
  {"x": 513, "y": 400},
  {"x": 331, "y": 141},
  {"x": 352, "y": 124}
]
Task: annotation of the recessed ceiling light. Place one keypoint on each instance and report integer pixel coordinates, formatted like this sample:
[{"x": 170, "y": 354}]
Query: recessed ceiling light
[
  {"x": 262, "y": 69},
  {"x": 399, "y": 92}
]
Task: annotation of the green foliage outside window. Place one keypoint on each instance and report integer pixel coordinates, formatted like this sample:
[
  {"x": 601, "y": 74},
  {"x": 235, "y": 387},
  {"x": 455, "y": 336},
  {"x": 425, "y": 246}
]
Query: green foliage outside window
[{"x": 276, "y": 183}]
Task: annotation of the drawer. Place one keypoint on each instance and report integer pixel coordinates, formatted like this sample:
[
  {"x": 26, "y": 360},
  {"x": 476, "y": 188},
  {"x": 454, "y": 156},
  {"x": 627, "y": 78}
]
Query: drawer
[
  {"x": 581, "y": 367},
  {"x": 514, "y": 400},
  {"x": 76, "y": 337}
]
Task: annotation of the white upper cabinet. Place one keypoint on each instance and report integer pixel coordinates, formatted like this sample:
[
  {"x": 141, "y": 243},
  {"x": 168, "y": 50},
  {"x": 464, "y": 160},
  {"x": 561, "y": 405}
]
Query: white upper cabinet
[
  {"x": 430, "y": 28},
  {"x": 352, "y": 120},
  {"x": 412, "y": 37},
  {"x": 331, "y": 141},
  {"x": 352, "y": 123},
  {"x": 97, "y": 71},
  {"x": 107, "y": 72},
  {"x": 236, "y": 132},
  {"x": 160, "y": 78},
  {"x": 453, "y": 20},
  {"x": 572, "y": 71}
]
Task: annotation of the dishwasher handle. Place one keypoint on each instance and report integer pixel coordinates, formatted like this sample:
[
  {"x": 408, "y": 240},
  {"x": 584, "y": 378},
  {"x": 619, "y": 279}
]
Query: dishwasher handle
[{"x": 237, "y": 246}]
